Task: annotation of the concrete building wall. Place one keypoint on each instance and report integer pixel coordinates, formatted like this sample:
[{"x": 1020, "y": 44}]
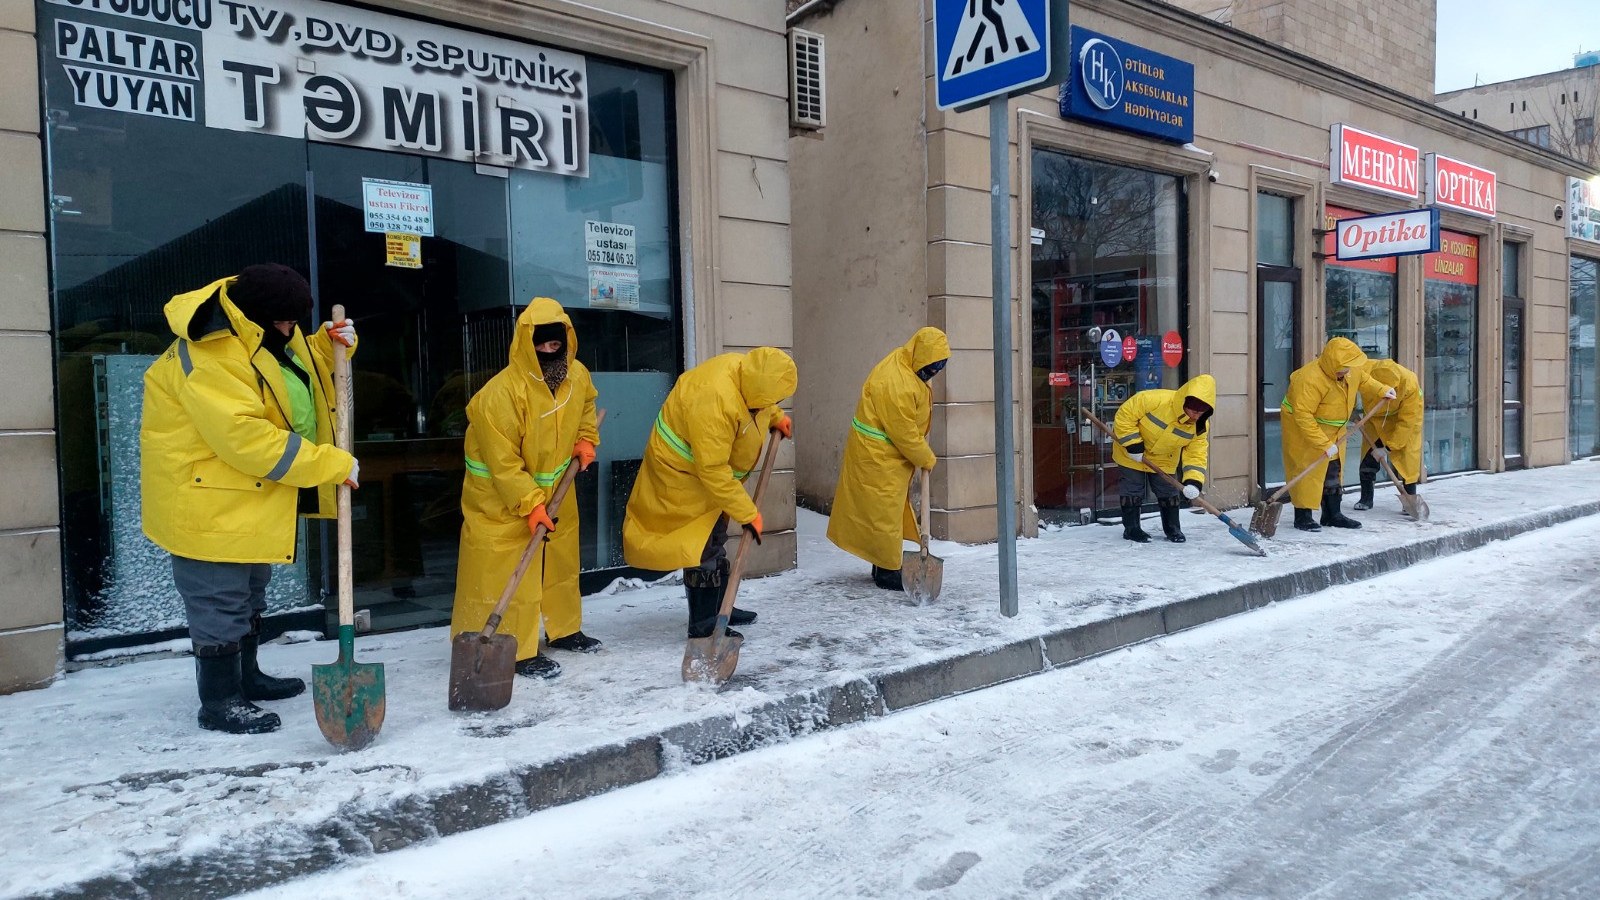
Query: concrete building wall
[
  {"x": 1559, "y": 101},
  {"x": 1387, "y": 41}
]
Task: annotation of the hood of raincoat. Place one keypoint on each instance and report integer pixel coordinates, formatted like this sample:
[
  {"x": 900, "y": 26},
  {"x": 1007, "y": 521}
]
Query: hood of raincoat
[
  {"x": 1340, "y": 353},
  {"x": 928, "y": 345},
  {"x": 766, "y": 376},
  {"x": 1204, "y": 389},
  {"x": 1392, "y": 374},
  {"x": 208, "y": 314},
  {"x": 540, "y": 311}
]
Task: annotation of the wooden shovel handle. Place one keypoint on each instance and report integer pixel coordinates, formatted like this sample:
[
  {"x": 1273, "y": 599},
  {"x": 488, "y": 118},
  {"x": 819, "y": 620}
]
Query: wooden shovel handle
[
  {"x": 556, "y": 498},
  {"x": 1168, "y": 476},
  {"x": 736, "y": 573},
  {"x": 1344, "y": 432},
  {"x": 343, "y": 438},
  {"x": 925, "y": 476}
]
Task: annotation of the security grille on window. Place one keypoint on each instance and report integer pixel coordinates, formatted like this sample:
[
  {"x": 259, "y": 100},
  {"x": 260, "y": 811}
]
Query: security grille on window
[{"x": 807, "y": 81}]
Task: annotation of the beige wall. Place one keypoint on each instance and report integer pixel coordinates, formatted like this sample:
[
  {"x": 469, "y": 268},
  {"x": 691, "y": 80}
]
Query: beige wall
[{"x": 1556, "y": 99}]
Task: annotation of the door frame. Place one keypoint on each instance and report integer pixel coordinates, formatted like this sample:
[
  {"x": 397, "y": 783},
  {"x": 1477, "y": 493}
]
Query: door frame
[{"x": 1265, "y": 275}]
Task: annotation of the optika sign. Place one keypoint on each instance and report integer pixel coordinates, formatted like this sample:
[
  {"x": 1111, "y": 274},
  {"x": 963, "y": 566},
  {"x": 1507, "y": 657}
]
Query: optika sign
[
  {"x": 1366, "y": 160},
  {"x": 1454, "y": 184},
  {"x": 1395, "y": 234}
]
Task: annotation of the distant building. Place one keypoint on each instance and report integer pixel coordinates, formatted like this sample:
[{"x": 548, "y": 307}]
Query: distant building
[{"x": 1555, "y": 110}]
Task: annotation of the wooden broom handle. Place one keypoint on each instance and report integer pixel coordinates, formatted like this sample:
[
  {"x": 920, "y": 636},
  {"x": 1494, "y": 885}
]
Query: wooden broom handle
[
  {"x": 343, "y": 438},
  {"x": 736, "y": 574}
]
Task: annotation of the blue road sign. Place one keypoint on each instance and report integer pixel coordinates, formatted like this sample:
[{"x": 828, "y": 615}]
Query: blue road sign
[{"x": 987, "y": 48}]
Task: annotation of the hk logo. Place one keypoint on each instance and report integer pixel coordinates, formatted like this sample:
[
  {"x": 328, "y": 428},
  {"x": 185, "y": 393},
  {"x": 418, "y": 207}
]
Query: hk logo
[{"x": 1100, "y": 70}]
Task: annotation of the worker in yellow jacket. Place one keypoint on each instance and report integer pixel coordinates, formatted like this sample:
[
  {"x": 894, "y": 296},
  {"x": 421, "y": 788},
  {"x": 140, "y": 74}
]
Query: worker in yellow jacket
[
  {"x": 523, "y": 429},
  {"x": 871, "y": 512},
  {"x": 706, "y": 439},
  {"x": 236, "y": 440},
  {"x": 1166, "y": 431},
  {"x": 1317, "y": 406},
  {"x": 1396, "y": 430}
]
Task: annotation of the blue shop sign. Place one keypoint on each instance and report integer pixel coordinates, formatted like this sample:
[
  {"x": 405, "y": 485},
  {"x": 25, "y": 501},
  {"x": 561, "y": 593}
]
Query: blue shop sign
[{"x": 1124, "y": 86}]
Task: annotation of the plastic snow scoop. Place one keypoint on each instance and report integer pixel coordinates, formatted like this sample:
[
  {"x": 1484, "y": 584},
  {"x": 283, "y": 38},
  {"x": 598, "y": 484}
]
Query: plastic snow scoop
[
  {"x": 1413, "y": 504},
  {"x": 922, "y": 573},
  {"x": 1239, "y": 533},
  {"x": 1264, "y": 521},
  {"x": 483, "y": 664},
  {"x": 711, "y": 660},
  {"x": 348, "y": 695}
]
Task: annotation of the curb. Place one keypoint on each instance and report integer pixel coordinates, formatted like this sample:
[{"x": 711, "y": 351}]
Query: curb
[{"x": 272, "y": 856}]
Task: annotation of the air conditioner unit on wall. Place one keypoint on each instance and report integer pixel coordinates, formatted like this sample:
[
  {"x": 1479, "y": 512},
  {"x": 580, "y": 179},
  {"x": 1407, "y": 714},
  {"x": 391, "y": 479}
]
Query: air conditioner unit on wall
[{"x": 807, "y": 80}]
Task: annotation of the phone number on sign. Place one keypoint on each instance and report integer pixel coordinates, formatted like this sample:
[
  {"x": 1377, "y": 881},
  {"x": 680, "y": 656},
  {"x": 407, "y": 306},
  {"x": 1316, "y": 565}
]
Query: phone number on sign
[{"x": 609, "y": 258}]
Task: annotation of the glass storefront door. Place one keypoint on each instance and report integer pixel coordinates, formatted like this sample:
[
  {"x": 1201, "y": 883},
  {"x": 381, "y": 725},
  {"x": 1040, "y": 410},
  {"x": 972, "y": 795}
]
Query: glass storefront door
[
  {"x": 1277, "y": 333},
  {"x": 1110, "y": 261},
  {"x": 1513, "y": 340},
  {"x": 1583, "y": 413},
  {"x": 1450, "y": 355}
]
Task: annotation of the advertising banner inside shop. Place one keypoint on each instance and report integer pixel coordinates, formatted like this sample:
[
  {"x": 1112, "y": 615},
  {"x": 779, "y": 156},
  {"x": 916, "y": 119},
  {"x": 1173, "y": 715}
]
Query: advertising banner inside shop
[{"x": 1449, "y": 364}]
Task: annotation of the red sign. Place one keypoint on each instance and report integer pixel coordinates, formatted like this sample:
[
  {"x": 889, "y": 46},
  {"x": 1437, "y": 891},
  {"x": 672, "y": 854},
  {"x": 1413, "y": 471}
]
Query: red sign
[
  {"x": 1330, "y": 246},
  {"x": 1454, "y": 184},
  {"x": 1172, "y": 349},
  {"x": 1130, "y": 349},
  {"x": 1366, "y": 160},
  {"x": 1061, "y": 379},
  {"x": 1456, "y": 261}
]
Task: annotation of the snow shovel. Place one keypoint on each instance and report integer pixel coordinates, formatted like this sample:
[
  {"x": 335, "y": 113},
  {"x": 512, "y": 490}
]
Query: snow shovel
[
  {"x": 1413, "y": 504},
  {"x": 1265, "y": 519},
  {"x": 483, "y": 664},
  {"x": 711, "y": 660},
  {"x": 348, "y": 695},
  {"x": 1239, "y": 533},
  {"x": 921, "y": 573}
]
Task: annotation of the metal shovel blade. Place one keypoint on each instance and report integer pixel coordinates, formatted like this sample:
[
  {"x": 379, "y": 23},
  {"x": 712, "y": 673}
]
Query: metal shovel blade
[
  {"x": 1418, "y": 508},
  {"x": 481, "y": 671},
  {"x": 921, "y": 575},
  {"x": 348, "y": 696},
  {"x": 711, "y": 660},
  {"x": 1264, "y": 521}
]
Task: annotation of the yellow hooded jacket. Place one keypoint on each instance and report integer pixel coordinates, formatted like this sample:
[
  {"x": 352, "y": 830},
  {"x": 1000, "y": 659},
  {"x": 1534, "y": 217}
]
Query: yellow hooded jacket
[
  {"x": 1315, "y": 407},
  {"x": 560, "y": 560},
  {"x": 516, "y": 447},
  {"x": 887, "y": 439},
  {"x": 1153, "y": 417},
  {"x": 704, "y": 442},
  {"x": 220, "y": 466},
  {"x": 1399, "y": 423}
]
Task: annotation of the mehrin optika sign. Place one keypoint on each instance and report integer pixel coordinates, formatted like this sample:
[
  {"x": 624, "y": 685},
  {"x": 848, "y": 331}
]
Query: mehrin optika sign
[
  {"x": 1373, "y": 162},
  {"x": 1395, "y": 234}
]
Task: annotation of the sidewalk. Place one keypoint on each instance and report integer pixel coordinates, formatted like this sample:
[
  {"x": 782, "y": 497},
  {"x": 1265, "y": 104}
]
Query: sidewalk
[{"x": 111, "y": 791}]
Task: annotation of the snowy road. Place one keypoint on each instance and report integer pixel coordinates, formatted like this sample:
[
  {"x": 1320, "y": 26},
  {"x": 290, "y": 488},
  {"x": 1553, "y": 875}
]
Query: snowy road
[{"x": 1427, "y": 734}]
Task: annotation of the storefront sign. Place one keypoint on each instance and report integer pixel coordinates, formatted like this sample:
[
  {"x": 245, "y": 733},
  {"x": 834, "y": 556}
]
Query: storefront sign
[
  {"x": 397, "y": 206},
  {"x": 1461, "y": 186},
  {"x": 1061, "y": 379},
  {"x": 609, "y": 243},
  {"x": 1110, "y": 347},
  {"x": 1395, "y": 234},
  {"x": 402, "y": 250},
  {"x": 1583, "y": 208},
  {"x": 1366, "y": 160},
  {"x": 1126, "y": 86},
  {"x": 1172, "y": 349},
  {"x": 1456, "y": 261},
  {"x": 336, "y": 74},
  {"x": 1130, "y": 348}
]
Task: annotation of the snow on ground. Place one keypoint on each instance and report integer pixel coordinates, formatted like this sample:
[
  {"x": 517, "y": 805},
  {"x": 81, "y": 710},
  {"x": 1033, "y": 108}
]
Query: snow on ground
[
  {"x": 1425, "y": 734},
  {"x": 107, "y": 766}
]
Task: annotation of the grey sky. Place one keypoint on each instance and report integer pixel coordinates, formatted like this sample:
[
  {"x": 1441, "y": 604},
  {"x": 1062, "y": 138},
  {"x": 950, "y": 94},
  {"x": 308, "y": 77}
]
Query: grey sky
[{"x": 1498, "y": 40}]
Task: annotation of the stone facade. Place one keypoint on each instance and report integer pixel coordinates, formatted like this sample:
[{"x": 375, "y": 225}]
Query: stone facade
[{"x": 1554, "y": 110}]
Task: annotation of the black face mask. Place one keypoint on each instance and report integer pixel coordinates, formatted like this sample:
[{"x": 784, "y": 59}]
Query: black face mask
[
  {"x": 927, "y": 372},
  {"x": 276, "y": 342},
  {"x": 552, "y": 356}
]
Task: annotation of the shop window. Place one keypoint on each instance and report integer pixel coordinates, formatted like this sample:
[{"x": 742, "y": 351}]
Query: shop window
[
  {"x": 1450, "y": 342},
  {"x": 1278, "y": 287},
  {"x": 1111, "y": 259},
  {"x": 1361, "y": 295},
  {"x": 1583, "y": 412}
]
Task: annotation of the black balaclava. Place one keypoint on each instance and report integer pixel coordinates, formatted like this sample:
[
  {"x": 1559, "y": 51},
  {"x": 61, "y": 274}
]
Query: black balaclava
[
  {"x": 268, "y": 293},
  {"x": 927, "y": 372},
  {"x": 553, "y": 364}
]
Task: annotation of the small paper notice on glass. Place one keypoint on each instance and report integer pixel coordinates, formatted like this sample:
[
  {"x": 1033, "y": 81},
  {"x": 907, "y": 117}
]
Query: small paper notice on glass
[
  {"x": 613, "y": 287},
  {"x": 403, "y": 250}
]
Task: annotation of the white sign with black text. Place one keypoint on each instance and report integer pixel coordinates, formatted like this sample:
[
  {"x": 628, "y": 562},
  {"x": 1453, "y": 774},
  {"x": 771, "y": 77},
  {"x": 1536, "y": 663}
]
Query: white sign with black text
[
  {"x": 609, "y": 244},
  {"x": 397, "y": 206}
]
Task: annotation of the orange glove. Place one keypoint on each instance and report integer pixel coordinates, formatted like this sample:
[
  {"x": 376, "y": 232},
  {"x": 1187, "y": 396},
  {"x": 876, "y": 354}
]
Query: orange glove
[
  {"x": 753, "y": 528},
  {"x": 784, "y": 425},
  {"x": 584, "y": 451},
  {"x": 343, "y": 331},
  {"x": 540, "y": 517}
]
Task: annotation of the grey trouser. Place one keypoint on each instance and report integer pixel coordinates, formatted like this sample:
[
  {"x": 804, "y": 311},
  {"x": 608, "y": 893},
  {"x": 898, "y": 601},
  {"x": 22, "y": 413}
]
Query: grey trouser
[
  {"x": 1133, "y": 483},
  {"x": 220, "y": 598},
  {"x": 713, "y": 556}
]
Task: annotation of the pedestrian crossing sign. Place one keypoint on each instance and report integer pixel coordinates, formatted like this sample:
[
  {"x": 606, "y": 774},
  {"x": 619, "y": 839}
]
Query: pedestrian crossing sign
[{"x": 989, "y": 48}]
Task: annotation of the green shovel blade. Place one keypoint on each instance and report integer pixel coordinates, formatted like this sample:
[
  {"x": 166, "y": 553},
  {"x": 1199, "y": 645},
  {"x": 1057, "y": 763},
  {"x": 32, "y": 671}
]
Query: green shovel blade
[{"x": 349, "y": 696}]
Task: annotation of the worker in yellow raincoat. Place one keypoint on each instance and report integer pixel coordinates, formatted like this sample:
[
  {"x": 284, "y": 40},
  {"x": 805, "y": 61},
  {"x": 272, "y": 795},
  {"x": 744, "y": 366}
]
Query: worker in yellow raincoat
[
  {"x": 1321, "y": 395},
  {"x": 1166, "y": 430},
  {"x": 236, "y": 440},
  {"x": 706, "y": 439},
  {"x": 871, "y": 512},
  {"x": 523, "y": 429},
  {"x": 1396, "y": 431}
]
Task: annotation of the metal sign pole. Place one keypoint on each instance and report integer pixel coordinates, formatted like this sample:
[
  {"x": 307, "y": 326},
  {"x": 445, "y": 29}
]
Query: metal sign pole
[{"x": 1005, "y": 468}]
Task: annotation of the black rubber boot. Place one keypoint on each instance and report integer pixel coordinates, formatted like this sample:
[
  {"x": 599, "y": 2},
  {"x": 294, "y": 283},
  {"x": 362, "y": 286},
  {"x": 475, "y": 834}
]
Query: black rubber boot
[
  {"x": 255, "y": 684},
  {"x": 704, "y": 591},
  {"x": 576, "y": 642},
  {"x": 1303, "y": 520},
  {"x": 888, "y": 579},
  {"x": 736, "y": 616},
  {"x": 538, "y": 667},
  {"x": 222, "y": 703},
  {"x": 1411, "y": 488},
  {"x": 1367, "y": 486},
  {"x": 1170, "y": 507},
  {"x": 1130, "y": 521},
  {"x": 1331, "y": 515}
]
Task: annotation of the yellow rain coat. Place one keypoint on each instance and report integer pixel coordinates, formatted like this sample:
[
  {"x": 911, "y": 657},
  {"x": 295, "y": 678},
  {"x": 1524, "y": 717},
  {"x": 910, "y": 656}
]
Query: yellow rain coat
[
  {"x": 1155, "y": 417},
  {"x": 1315, "y": 407},
  {"x": 1399, "y": 423},
  {"x": 704, "y": 442},
  {"x": 220, "y": 466},
  {"x": 515, "y": 446},
  {"x": 887, "y": 439}
]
